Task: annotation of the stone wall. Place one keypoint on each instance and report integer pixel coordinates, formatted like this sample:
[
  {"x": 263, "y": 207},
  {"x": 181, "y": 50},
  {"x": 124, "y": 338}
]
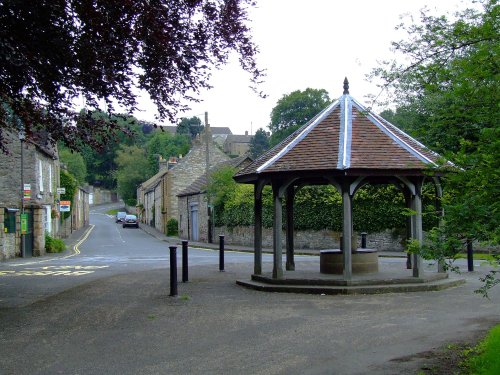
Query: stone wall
[
  {"x": 101, "y": 196},
  {"x": 185, "y": 220},
  {"x": 324, "y": 239}
]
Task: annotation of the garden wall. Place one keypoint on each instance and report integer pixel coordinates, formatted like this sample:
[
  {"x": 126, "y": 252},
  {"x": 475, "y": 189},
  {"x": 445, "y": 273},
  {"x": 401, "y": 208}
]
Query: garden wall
[{"x": 309, "y": 239}]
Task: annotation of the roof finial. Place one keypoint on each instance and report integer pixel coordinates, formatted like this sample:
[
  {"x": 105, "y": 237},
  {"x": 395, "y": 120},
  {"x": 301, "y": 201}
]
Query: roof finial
[{"x": 346, "y": 86}]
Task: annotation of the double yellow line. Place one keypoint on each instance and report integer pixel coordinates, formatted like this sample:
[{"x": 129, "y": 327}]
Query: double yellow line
[{"x": 76, "y": 250}]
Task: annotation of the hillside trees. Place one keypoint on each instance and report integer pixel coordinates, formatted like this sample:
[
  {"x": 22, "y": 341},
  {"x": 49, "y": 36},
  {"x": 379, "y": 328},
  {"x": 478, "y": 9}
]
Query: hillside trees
[
  {"x": 447, "y": 94},
  {"x": 74, "y": 163},
  {"x": 132, "y": 170},
  {"x": 56, "y": 53},
  {"x": 165, "y": 145}
]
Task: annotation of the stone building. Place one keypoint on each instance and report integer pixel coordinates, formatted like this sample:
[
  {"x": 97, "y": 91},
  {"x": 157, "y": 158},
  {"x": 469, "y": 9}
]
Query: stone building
[
  {"x": 80, "y": 213},
  {"x": 29, "y": 178},
  {"x": 195, "y": 219},
  {"x": 237, "y": 145},
  {"x": 157, "y": 197}
]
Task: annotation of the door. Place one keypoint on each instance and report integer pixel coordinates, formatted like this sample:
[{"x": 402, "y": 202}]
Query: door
[{"x": 194, "y": 222}]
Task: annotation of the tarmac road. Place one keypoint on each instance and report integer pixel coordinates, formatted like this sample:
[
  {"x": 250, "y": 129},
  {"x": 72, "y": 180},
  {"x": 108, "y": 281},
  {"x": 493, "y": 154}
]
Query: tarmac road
[{"x": 126, "y": 323}]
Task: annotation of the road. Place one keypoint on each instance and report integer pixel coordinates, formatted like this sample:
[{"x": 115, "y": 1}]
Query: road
[
  {"x": 107, "y": 249},
  {"x": 105, "y": 310}
]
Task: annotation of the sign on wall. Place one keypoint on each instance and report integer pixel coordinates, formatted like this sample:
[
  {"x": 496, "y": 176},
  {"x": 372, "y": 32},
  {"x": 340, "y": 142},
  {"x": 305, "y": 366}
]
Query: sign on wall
[
  {"x": 27, "y": 192},
  {"x": 65, "y": 206},
  {"x": 24, "y": 223}
]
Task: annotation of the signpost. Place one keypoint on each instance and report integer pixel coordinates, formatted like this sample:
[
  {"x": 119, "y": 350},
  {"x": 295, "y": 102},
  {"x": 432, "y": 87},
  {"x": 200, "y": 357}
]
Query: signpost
[{"x": 26, "y": 192}]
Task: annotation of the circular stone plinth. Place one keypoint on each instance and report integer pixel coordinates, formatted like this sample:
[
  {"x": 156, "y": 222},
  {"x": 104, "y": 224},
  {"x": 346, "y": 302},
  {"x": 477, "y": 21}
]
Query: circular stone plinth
[{"x": 363, "y": 261}]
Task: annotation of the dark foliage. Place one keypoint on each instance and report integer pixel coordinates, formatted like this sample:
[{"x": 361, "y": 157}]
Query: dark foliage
[{"x": 58, "y": 52}]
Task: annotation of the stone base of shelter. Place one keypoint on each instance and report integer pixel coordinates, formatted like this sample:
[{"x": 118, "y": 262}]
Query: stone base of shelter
[
  {"x": 363, "y": 261},
  {"x": 312, "y": 283}
]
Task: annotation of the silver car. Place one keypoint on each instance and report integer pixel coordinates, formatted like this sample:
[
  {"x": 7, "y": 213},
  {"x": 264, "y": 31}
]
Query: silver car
[{"x": 130, "y": 221}]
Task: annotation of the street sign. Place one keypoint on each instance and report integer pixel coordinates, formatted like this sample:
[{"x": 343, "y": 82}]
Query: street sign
[
  {"x": 27, "y": 192},
  {"x": 61, "y": 190},
  {"x": 65, "y": 206}
]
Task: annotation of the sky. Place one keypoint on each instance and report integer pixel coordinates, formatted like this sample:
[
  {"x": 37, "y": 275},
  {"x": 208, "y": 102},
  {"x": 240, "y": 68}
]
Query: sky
[{"x": 306, "y": 44}]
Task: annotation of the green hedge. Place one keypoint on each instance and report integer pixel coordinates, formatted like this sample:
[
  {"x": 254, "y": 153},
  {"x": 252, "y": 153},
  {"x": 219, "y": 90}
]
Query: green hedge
[
  {"x": 54, "y": 245},
  {"x": 375, "y": 208}
]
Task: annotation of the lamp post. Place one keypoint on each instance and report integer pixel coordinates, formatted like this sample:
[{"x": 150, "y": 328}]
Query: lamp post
[{"x": 22, "y": 136}]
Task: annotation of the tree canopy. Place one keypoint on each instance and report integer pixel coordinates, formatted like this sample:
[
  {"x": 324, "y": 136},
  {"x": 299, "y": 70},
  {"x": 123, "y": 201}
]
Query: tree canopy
[
  {"x": 190, "y": 126},
  {"x": 447, "y": 94},
  {"x": 259, "y": 143},
  {"x": 56, "y": 53},
  {"x": 294, "y": 110}
]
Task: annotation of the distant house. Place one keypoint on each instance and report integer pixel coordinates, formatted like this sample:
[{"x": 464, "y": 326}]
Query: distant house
[
  {"x": 237, "y": 145},
  {"x": 157, "y": 197},
  {"x": 29, "y": 177},
  {"x": 215, "y": 130},
  {"x": 195, "y": 218}
]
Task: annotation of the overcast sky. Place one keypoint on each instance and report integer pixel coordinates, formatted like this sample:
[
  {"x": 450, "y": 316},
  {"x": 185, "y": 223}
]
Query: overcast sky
[{"x": 306, "y": 43}]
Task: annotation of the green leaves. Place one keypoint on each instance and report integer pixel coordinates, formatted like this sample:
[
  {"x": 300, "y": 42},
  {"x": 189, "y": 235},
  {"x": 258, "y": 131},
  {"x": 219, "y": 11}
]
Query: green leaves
[{"x": 295, "y": 109}]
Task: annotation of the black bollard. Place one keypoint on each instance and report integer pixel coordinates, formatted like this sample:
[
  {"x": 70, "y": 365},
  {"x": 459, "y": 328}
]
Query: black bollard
[
  {"x": 173, "y": 270},
  {"x": 184, "y": 261},
  {"x": 221, "y": 253},
  {"x": 470, "y": 256},
  {"x": 363, "y": 240}
]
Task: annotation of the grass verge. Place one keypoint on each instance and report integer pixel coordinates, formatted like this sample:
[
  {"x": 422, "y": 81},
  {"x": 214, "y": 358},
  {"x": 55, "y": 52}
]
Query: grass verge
[{"x": 484, "y": 359}]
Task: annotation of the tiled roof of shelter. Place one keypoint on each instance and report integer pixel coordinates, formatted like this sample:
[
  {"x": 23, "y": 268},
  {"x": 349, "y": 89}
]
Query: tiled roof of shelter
[{"x": 345, "y": 136}]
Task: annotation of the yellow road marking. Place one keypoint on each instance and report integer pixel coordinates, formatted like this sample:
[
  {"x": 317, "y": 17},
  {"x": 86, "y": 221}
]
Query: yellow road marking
[{"x": 76, "y": 251}]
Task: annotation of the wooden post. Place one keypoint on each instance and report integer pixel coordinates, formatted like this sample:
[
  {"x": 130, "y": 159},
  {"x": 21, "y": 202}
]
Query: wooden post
[
  {"x": 347, "y": 231},
  {"x": 277, "y": 227},
  {"x": 257, "y": 267},
  {"x": 290, "y": 261},
  {"x": 417, "y": 225}
]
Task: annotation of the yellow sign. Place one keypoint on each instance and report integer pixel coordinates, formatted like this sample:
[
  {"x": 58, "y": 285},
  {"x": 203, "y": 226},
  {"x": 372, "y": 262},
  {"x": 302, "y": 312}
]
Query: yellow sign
[{"x": 24, "y": 223}]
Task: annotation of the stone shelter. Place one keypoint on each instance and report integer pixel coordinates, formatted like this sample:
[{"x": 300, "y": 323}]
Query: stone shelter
[
  {"x": 157, "y": 197},
  {"x": 345, "y": 145},
  {"x": 29, "y": 178},
  {"x": 196, "y": 221}
]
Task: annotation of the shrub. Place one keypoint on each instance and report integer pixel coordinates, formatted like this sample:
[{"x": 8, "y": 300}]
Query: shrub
[
  {"x": 54, "y": 245},
  {"x": 172, "y": 227}
]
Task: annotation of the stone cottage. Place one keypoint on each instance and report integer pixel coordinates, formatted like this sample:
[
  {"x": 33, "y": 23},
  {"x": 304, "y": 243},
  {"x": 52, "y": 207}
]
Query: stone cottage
[
  {"x": 157, "y": 197},
  {"x": 29, "y": 178},
  {"x": 195, "y": 219},
  {"x": 237, "y": 144}
]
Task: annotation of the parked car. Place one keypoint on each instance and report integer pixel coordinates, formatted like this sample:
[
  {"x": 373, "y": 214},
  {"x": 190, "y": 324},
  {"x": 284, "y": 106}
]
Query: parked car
[
  {"x": 120, "y": 216},
  {"x": 130, "y": 221}
]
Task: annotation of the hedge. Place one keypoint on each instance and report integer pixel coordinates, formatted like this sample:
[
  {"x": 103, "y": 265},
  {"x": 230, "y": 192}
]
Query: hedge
[{"x": 375, "y": 208}]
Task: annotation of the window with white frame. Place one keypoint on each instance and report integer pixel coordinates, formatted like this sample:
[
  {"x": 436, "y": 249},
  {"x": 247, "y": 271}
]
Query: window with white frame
[
  {"x": 50, "y": 178},
  {"x": 40, "y": 176}
]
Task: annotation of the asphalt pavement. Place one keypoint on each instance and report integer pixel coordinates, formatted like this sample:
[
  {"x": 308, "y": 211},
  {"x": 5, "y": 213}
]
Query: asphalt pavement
[{"x": 128, "y": 324}]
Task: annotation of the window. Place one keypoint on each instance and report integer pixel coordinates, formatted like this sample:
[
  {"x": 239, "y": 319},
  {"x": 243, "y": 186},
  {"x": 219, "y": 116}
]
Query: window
[
  {"x": 40, "y": 176},
  {"x": 50, "y": 178}
]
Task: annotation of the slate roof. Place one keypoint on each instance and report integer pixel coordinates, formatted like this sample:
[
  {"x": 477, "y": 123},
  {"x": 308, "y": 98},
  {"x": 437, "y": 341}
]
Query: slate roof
[
  {"x": 200, "y": 184},
  {"x": 213, "y": 129},
  {"x": 344, "y": 137},
  {"x": 238, "y": 138}
]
